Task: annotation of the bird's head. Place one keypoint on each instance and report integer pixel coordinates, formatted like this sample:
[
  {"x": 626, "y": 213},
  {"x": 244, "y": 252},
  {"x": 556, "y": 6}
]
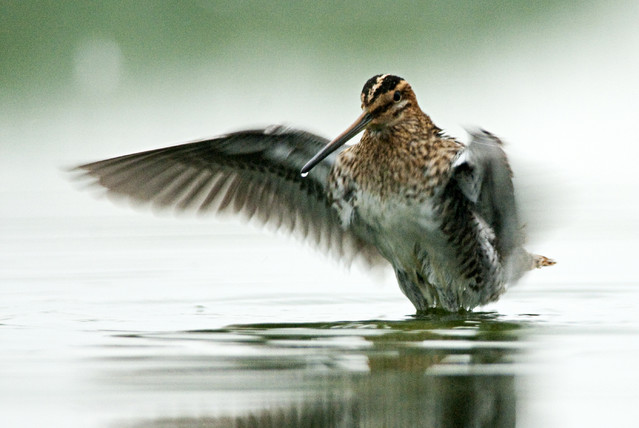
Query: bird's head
[{"x": 386, "y": 101}]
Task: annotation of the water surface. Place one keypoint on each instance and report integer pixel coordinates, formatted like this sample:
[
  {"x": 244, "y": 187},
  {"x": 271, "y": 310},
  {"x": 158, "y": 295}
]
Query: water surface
[{"x": 137, "y": 321}]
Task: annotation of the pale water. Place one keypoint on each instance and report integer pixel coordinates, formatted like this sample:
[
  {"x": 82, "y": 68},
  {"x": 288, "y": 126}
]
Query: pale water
[{"x": 151, "y": 322}]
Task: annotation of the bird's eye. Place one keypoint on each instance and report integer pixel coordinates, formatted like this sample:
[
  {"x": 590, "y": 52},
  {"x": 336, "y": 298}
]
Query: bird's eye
[{"x": 397, "y": 96}]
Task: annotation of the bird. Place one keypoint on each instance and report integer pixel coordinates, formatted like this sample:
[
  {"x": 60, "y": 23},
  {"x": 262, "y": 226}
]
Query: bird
[{"x": 441, "y": 213}]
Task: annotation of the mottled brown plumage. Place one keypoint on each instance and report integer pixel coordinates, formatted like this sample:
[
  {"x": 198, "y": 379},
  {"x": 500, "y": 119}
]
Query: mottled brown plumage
[
  {"x": 394, "y": 147},
  {"x": 441, "y": 213}
]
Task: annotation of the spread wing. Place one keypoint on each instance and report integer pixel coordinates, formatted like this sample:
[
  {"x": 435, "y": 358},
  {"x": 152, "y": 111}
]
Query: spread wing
[
  {"x": 255, "y": 173},
  {"x": 484, "y": 176}
]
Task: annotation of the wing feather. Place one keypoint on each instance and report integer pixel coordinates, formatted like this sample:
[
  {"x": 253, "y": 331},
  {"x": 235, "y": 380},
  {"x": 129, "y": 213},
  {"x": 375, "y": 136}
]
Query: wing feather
[
  {"x": 484, "y": 176},
  {"x": 255, "y": 173}
]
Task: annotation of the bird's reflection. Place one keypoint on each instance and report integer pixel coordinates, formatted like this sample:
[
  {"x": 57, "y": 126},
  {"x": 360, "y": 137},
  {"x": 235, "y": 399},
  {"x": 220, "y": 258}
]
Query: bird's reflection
[{"x": 439, "y": 371}]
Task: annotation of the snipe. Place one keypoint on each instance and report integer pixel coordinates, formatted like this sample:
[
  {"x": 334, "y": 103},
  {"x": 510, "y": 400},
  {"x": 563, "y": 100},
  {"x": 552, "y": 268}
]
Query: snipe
[{"x": 441, "y": 213}]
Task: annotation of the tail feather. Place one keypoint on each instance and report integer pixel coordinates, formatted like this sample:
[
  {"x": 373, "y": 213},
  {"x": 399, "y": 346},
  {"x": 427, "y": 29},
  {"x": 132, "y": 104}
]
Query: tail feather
[{"x": 541, "y": 261}]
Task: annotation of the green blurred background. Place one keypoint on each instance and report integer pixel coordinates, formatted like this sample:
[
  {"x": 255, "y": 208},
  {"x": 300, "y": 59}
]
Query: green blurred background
[
  {"x": 42, "y": 40},
  {"x": 556, "y": 79}
]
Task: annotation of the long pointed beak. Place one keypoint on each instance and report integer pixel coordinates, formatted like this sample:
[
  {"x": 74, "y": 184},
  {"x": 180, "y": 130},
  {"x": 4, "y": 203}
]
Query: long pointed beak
[{"x": 339, "y": 141}]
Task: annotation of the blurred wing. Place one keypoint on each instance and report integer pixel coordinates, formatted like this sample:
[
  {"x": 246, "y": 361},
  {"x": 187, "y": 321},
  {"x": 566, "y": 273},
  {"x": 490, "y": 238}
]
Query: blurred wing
[
  {"x": 484, "y": 176},
  {"x": 255, "y": 173}
]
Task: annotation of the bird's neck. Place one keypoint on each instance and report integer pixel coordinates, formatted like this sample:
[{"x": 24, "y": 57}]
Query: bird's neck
[{"x": 415, "y": 127}]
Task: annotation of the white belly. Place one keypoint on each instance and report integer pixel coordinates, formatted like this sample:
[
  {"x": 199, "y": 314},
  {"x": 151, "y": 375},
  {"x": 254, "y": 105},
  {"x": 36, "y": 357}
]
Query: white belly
[
  {"x": 401, "y": 229},
  {"x": 409, "y": 236}
]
